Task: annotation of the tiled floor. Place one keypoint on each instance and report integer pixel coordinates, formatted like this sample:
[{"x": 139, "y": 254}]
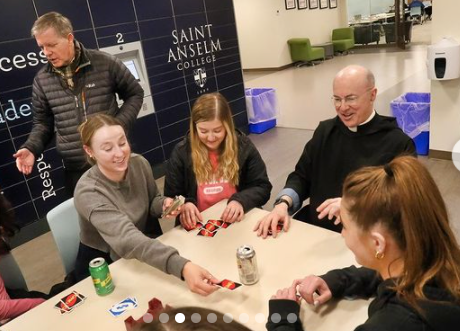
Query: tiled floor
[{"x": 304, "y": 98}]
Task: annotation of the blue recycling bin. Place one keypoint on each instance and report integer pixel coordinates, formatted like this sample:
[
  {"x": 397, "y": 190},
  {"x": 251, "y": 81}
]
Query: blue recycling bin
[
  {"x": 412, "y": 112},
  {"x": 262, "y": 108}
]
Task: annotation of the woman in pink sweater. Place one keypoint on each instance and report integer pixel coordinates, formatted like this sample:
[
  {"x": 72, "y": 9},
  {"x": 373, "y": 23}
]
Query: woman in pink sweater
[{"x": 12, "y": 302}]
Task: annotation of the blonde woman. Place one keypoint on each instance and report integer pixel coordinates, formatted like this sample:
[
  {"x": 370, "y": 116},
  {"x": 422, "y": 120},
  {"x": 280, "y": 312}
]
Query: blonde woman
[
  {"x": 216, "y": 162},
  {"x": 115, "y": 199},
  {"x": 396, "y": 224}
]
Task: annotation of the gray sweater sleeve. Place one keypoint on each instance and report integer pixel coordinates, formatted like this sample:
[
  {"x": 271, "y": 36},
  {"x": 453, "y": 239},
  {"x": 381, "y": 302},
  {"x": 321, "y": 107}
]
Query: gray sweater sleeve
[{"x": 123, "y": 237}]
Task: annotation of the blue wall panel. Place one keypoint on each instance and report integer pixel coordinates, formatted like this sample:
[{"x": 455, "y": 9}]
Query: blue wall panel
[{"x": 190, "y": 48}]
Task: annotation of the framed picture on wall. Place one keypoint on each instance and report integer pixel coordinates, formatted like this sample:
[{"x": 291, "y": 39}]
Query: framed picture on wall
[
  {"x": 301, "y": 4},
  {"x": 313, "y": 4},
  {"x": 290, "y": 4},
  {"x": 323, "y": 4},
  {"x": 332, "y": 3}
]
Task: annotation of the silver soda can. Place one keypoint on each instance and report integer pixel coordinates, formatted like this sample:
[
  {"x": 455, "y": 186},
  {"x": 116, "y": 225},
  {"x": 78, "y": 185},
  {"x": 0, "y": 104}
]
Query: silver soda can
[{"x": 247, "y": 264}]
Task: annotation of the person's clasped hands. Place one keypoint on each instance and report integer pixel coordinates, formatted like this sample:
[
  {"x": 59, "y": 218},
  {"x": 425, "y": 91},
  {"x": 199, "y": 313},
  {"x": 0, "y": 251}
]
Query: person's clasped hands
[{"x": 313, "y": 289}]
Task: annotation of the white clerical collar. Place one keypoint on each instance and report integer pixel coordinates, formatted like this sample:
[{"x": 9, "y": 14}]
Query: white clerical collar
[{"x": 355, "y": 128}]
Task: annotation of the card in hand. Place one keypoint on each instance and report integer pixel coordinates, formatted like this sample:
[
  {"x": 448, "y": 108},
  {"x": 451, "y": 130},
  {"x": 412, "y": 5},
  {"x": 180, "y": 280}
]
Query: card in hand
[
  {"x": 279, "y": 228},
  {"x": 177, "y": 202},
  {"x": 228, "y": 284},
  {"x": 206, "y": 233}
]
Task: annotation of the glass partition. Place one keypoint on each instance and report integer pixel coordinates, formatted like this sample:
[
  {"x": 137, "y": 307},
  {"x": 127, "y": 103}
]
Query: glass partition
[{"x": 374, "y": 21}]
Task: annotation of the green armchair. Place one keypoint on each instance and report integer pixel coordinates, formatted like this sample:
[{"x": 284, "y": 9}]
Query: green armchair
[
  {"x": 343, "y": 39},
  {"x": 302, "y": 51}
]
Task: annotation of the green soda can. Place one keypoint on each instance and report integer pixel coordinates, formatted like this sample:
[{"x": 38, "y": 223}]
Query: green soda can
[{"x": 100, "y": 273}]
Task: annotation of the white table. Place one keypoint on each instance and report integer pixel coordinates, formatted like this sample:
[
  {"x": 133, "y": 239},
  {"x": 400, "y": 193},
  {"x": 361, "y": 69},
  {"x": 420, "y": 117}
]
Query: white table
[{"x": 304, "y": 250}]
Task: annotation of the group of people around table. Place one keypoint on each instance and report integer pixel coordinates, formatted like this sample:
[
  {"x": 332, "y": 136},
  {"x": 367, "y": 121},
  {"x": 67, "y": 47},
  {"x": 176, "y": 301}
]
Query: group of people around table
[{"x": 359, "y": 171}]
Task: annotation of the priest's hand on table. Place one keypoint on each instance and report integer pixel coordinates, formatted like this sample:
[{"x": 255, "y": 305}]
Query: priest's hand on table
[{"x": 269, "y": 224}]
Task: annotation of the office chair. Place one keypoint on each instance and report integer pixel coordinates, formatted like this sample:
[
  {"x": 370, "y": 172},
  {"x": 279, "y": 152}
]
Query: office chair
[
  {"x": 65, "y": 227},
  {"x": 11, "y": 273},
  {"x": 302, "y": 51},
  {"x": 365, "y": 34},
  {"x": 343, "y": 39},
  {"x": 416, "y": 14}
]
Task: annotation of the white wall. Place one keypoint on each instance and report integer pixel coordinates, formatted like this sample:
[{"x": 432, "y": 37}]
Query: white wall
[
  {"x": 264, "y": 26},
  {"x": 445, "y": 95}
]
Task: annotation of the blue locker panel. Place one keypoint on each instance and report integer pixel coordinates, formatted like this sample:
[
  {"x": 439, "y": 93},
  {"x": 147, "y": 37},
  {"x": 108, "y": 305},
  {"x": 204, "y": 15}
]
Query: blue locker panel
[
  {"x": 174, "y": 131},
  {"x": 10, "y": 175},
  {"x": 109, "y": 12},
  {"x": 117, "y": 34},
  {"x": 16, "y": 19},
  {"x": 145, "y": 135},
  {"x": 19, "y": 62},
  {"x": 25, "y": 214},
  {"x": 146, "y": 10},
  {"x": 182, "y": 7},
  {"x": 218, "y": 5},
  {"x": 170, "y": 98},
  {"x": 157, "y": 28},
  {"x": 174, "y": 114},
  {"x": 76, "y": 11},
  {"x": 155, "y": 156}
]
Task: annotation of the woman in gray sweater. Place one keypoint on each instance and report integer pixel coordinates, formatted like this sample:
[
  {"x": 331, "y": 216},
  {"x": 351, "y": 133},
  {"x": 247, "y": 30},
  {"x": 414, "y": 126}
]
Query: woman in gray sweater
[{"x": 116, "y": 199}]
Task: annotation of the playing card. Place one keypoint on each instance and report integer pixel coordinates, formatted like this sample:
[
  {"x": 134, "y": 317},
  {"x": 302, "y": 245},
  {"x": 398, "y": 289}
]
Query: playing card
[
  {"x": 229, "y": 284},
  {"x": 178, "y": 201},
  {"x": 215, "y": 222},
  {"x": 279, "y": 228},
  {"x": 124, "y": 305},
  {"x": 206, "y": 233},
  {"x": 198, "y": 225},
  {"x": 210, "y": 227},
  {"x": 220, "y": 223},
  {"x": 225, "y": 225},
  {"x": 69, "y": 302}
]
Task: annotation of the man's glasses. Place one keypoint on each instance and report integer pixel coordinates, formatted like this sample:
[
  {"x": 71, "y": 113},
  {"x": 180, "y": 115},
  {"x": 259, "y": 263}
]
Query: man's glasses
[{"x": 350, "y": 100}]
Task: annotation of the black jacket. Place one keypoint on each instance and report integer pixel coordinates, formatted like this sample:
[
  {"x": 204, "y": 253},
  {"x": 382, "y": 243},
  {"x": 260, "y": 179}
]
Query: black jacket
[
  {"x": 334, "y": 151},
  {"x": 253, "y": 189},
  {"x": 55, "y": 107},
  {"x": 387, "y": 312}
]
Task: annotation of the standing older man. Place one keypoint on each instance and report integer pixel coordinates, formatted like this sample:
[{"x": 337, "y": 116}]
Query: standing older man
[
  {"x": 75, "y": 84},
  {"x": 356, "y": 137}
]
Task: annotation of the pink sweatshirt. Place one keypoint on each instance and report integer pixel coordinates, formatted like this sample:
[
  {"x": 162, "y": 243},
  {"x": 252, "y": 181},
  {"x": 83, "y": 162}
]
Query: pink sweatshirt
[{"x": 10, "y": 308}]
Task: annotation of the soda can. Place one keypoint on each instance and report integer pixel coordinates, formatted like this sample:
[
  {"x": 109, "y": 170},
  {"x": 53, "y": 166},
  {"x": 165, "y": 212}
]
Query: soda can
[
  {"x": 247, "y": 264},
  {"x": 100, "y": 273}
]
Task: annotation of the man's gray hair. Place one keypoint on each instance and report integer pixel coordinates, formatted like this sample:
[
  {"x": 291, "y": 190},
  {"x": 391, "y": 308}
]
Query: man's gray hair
[
  {"x": 370, "y": 78},
  {"x": 60, "y": 23}
]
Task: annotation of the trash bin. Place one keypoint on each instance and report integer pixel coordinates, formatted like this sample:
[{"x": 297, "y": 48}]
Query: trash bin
[
  {"x": 262, "y": 108},
  {"x": 412, "y": 112}
]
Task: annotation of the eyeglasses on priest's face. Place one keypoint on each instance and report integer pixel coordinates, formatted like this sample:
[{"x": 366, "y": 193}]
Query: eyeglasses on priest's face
[{"x": 350, "y": 100}]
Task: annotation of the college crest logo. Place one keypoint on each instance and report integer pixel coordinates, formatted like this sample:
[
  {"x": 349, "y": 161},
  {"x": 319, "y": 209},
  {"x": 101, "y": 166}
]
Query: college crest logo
[{"x": 200, "y": 76}]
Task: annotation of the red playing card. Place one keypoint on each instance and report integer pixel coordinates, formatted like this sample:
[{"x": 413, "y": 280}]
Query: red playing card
[
  {"x": 229, "y": 284},
  {"x": 210, "y": 227},
  {"x": 216, "y": 222},
  {"x": 279, "y": 228},
  {"x": 69, "y": 302},
  {"x": 197, "y": 226},
  {"x": 226, "y": 225},
  {"x": 206, "y": 233}
]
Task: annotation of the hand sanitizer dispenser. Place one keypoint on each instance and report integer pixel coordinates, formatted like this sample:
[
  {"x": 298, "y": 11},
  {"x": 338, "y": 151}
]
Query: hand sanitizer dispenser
[{"x": 443, "y": 60}]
